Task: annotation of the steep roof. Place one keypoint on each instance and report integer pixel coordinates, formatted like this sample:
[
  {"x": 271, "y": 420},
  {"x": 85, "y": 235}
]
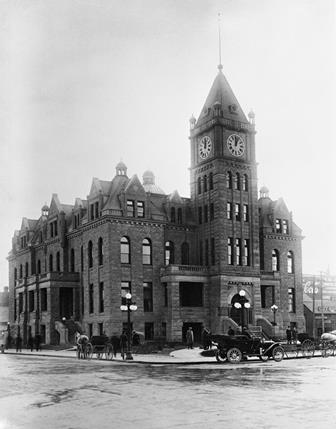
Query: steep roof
[{"x": 221, "y": 93}]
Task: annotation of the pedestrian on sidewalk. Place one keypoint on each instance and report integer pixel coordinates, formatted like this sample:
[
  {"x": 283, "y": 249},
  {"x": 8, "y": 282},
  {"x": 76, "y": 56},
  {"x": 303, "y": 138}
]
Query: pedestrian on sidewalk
[
  {"x": 289, "y": 335},
  {"x": 18, "y": 343},
  {"x": 30, "y": 343},
  {"x": 190, "y": 338},
  {"x": 206, "y": 339},
  {"x": 294, "y": 335},
  {"x": 123, "y": 344},
  {"x": 115, "y": 341},
  {"x": 38, "y": 342}
]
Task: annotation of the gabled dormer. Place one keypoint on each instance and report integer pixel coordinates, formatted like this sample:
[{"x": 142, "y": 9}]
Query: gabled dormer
[
  {"x": 175, "y": 208},
  {"x": 134, "y": 198}
]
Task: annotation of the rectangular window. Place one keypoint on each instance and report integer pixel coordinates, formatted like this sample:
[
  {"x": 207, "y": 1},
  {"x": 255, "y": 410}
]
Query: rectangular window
[
  {"x": 125, "y": 288},
  {"x": 212, "y": 251},
  {"x": 147, "y": 296},
  {"x": 130, "y": 208},
  {"x": 101, "y": 328},
  {"x": 191, "y": 294},
  {"x": 201, "y": 252},
  {"x": 55, "y": 228},
  {"x": 246, "y": 254},
  {"x": 91, "y": 298},
  {"x": 205, "y": 214},
  {"x": 285, "y": 226},
  {"x": 238, "y": 253},
  {"x": 278, "y": 225},
  {"x": 96, "y": 209},
  {"x": 149, "y": 330},
  {"x": 267, "y": 296},
  {"x": 20, "y": 302},
  {"x": 90, "y": 329},
  {"x": 164, "y": 329},
  {"x": 44, "y": 299},
  {"x": 51, "y": 227},
  {"x": 141, "y": 209},
  {"x": 230, "y": 250},
  {"x": 101, "y": 297},
  {"x": 229, "y": 211},
  {"x": 212, "y": 211},
  {"x": 237, "y": 212},
  {"x": 91, "y": 211},
  {"x": 245, "y": 213},
  {"x": 165, "y": 294},
  {"x": 31, "y": 300},
  {"x": 291, "y": 300},
  {"x": 199, "y": 215},
  {"x": 206, "y": 252}
]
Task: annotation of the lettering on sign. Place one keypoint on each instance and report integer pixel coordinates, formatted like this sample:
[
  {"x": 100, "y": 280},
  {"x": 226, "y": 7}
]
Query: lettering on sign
[{"x": 308, "y": 287}]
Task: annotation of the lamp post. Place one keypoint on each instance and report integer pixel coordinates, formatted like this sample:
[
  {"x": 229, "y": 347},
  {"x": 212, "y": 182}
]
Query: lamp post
[
  {"x": 129, "y": 307},
  {"x": 242, "y": 304},
  {"x": 274, "y": 309}
]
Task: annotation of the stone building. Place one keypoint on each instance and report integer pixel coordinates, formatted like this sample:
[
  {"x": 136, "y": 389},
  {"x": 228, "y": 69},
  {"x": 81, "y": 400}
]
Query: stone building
[{"x": 184, "y": 260}]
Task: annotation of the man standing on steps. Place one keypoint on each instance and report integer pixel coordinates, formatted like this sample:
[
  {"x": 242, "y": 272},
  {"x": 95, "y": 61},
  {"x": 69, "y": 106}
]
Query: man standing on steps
[{"x": 190, "y": 338}]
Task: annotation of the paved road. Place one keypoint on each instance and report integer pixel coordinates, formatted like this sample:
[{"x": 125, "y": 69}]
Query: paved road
[{"x": 48, "y": 392}]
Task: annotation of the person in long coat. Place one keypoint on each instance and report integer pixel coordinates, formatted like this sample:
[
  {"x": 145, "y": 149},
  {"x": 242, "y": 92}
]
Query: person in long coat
[
  {"x": 190, "y": 338},
  {"x": 18, "y": 343},
  {"x": 123, "y": 344},
  {"x": 115, "y": 341}
]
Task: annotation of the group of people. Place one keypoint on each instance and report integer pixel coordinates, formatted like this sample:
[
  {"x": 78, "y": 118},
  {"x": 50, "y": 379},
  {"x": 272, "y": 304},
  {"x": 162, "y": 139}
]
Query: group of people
[
  {"x": 32, "y": 343},
  {"x": 291, "y": 335}
]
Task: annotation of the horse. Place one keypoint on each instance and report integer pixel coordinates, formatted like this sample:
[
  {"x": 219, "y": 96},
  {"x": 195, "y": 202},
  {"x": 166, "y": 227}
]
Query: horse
[{"x": 82, "y": 341}]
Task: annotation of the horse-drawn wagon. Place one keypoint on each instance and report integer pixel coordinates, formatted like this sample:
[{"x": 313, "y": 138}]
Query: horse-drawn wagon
[{"x": 99, "y": 345}]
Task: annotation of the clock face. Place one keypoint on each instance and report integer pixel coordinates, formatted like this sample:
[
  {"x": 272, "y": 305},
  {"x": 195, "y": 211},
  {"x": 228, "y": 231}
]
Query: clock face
[
  {"x": 236, "y": 145},
  {"x": 204, "y": 147}
]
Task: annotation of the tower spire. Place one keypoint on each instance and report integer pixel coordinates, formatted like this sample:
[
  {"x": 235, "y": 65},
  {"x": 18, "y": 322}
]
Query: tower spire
[{"x": 220, "y": 66}]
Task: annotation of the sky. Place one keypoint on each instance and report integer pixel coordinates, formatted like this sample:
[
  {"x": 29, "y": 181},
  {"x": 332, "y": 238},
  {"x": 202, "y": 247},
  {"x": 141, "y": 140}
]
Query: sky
[{"x": 85, "y": 84}]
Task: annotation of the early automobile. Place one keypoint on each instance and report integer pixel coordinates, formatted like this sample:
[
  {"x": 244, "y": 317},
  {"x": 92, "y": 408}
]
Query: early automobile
[{"x": 237, "y": 347}]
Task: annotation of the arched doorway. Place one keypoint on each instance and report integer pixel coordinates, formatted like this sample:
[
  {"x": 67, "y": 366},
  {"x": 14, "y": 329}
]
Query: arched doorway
[{"x": 241, "y": 314}]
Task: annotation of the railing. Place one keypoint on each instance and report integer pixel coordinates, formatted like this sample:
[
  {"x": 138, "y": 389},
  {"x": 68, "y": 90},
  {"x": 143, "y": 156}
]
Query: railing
[{"x": 178, "y": 269}]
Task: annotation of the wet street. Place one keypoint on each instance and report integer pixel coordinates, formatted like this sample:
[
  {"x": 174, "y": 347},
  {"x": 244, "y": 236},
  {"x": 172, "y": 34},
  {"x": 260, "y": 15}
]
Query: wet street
[{"x": 44, "y": 392}]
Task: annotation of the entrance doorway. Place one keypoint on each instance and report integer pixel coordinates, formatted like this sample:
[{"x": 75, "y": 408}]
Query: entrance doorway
[
  {"x": 197, "y": 329},
  {"x": 66, "y": 302},
  {"x": 240, "y": 314}
]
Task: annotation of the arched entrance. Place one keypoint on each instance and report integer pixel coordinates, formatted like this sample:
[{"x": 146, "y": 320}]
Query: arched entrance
[{"x": 242, "y": 315}]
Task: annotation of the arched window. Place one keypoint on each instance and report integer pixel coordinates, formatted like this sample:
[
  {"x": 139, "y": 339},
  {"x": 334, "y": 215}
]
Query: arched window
[
  {"x": 21, "y": 274},
  {"x": 229, "y": 180},
  {"x": 169, "y": 252},
  {"x": 172, "y": 215},
  {"x": 275, "y": 260},
  {"x": 146, "y": 252},
  {"x": 237, "y": 181},
  {"x": 290, "y": 262},
  {"x": 125, "y": 257},
  {"x": 51, "y": 263},
  {"x": 38, "y": 267},
  {"x": 211, "y": 181},
  {"x": 72, "y": 260},
  {"x": 58, "y": 261},
  {"x": 199, "y": 186},
  {"x": 90, "y": 255},
  {"x": 26, "y": 269},
  {"x": 245, "y": 182},
  {"x": 100, "y": 252},
  {"x": 179, "y": 215},
  {"x": 185, "y": 254},
  {"x": 205, "y": 183}
]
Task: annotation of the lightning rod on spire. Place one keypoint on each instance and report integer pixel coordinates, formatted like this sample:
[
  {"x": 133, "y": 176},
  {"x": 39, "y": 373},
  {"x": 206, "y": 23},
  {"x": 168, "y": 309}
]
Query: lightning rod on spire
[{"x": 220, "y": 67}]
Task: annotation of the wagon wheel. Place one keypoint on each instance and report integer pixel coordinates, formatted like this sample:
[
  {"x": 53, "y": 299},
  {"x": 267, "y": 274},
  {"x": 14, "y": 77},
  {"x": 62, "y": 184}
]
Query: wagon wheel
[
  {"x": 308, "y": 348},
  {"x": 220, "y": 356},
  {"x": 88, "y": 351},
  {"x": 326, "y": 349},
  {"x": 234, "y": 355},
  {"x": 278, "y": 353}
]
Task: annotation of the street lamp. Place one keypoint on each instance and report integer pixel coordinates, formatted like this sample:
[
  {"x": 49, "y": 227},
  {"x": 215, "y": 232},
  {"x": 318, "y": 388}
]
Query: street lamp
[
  {"x": 274, "y": 309},
  {"x": 129, "y": 307},
  {"x": 241, "y": 304}
]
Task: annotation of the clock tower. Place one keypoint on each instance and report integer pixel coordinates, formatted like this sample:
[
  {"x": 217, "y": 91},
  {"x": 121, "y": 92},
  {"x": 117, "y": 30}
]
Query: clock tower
[{"x": 224, "y": 196}]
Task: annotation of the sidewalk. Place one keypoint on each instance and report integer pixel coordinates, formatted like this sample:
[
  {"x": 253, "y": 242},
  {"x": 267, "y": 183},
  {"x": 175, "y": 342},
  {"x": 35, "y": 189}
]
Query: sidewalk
[{"x": 182, "y": 356}]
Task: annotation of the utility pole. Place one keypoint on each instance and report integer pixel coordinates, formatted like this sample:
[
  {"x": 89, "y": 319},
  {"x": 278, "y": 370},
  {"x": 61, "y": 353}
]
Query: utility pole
[
  {"x": 322, "y": 309},
  {"x": 314, "y": 308}
]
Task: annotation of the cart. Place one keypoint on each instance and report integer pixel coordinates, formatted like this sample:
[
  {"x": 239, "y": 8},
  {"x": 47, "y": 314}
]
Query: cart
[
  {"x": 100, "y": 345},
  {"x": 297, "y": 349}
]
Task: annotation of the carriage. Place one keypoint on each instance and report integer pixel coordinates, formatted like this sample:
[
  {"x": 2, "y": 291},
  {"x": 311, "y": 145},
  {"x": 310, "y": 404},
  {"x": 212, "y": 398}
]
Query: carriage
[{"x": 98, "y": 345}]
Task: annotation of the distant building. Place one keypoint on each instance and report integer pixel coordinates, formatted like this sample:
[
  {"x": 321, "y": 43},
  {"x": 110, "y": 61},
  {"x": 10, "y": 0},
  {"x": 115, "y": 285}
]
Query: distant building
[
  {"x": 184, "y": 260},
  {"x": 319, "y": 299},
  {"x": 4, "y": 308}
]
